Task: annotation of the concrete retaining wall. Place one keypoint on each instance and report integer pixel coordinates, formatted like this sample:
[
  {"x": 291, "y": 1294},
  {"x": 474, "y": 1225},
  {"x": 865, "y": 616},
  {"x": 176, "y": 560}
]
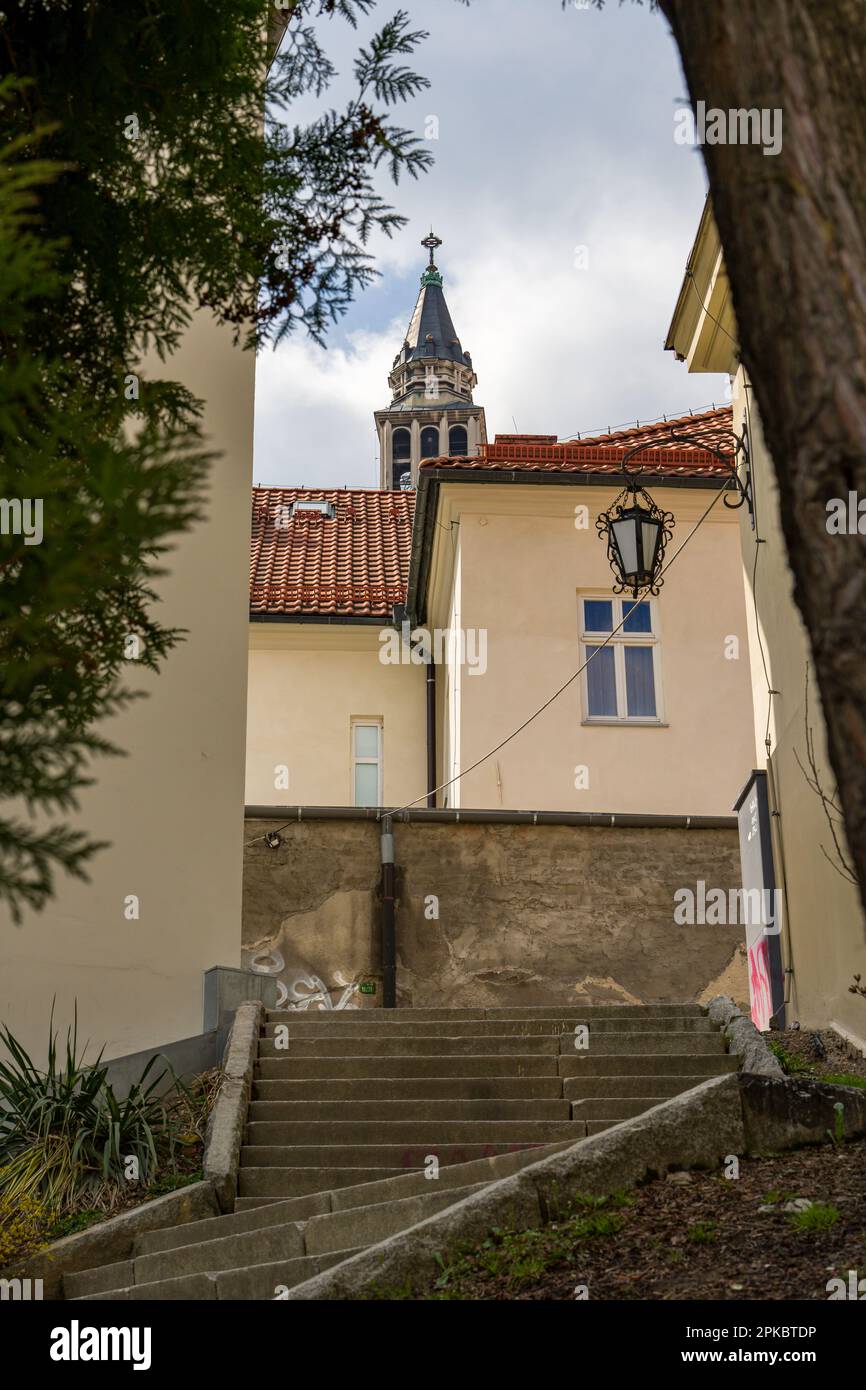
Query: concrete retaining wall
[{"x": 489, "y": 914}]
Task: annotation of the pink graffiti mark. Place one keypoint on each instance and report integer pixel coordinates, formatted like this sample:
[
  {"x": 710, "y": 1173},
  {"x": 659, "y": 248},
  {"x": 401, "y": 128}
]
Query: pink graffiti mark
[{"x": 759, "y": 984}]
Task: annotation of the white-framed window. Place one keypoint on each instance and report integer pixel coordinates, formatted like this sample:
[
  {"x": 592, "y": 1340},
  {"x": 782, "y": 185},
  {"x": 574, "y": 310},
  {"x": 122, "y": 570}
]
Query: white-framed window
[
  {"x": 622, "y": 683},
  {"x": 366, "y": 762}
]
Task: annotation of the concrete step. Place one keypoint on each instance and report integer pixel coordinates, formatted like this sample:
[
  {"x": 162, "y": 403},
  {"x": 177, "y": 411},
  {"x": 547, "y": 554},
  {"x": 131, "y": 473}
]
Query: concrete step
[
  {"x": 646, "y": 1064},
  {"x": 277, "y": 1182},
  {"x": 510, "y": 1011},
  {"x": 651, "y": 1044},
  {"x": 357, "y": 1227},
  {"x": 614, "y": 1108},
  {"x": 369, "y": 1045},
  {"x": 303, "y": 1112},
  {"x": 365, "y": 1226},
  {"x": 592, "y": 1087},
  {"x": 283, "y": 1065},
  {"x": 278, "y": 1212},
  {"x": 256, "y": 1282},
  {"x": 360, "y": 1025},
  {"x": 283, "y": 1133},
  {"x": 403, "y": 1157},
  {"x": 389, "y": 1089}
]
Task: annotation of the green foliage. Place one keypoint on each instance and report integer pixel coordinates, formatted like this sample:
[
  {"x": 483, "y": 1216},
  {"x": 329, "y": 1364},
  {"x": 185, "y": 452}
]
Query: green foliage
[
  {"x": 78, "y": 1221},
  {"x": 174, "y": 195},
  {"x": 702, "y": 1233},
  {"x": 844, "y": 1079},
  {"x": 137, "y": 187},
  {"x": 65, "y": 1136},
  {"x": 519, "y": 1257},
  {"x": 819, "y": 1217},
  {"x": 791, "y": 1065}
]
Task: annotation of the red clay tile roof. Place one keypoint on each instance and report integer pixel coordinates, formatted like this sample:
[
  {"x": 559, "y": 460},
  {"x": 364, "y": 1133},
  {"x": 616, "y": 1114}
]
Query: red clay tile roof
[
  {"x": 355, "y": 563},
  {"x": 602, "y": 453}
]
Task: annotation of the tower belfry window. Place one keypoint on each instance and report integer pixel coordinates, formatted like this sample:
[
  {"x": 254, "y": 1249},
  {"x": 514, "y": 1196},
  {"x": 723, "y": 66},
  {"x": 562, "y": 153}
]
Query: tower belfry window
[
  {"x": 458, "y": 442},
  {"x": 430, "y": 442}
]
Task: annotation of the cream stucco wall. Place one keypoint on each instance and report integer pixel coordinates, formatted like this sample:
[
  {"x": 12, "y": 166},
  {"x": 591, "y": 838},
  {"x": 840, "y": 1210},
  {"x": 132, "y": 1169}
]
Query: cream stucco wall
[
  {"x": 825, "y": 942},
  {"x": 307, "y": 682},
  {"x": 172, "y": 809},
  {"x": 523, "y": 566}
]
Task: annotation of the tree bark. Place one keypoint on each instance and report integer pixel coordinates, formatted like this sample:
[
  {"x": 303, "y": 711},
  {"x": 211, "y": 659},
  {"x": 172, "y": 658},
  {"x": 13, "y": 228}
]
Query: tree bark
[{"x": 793, "y": 228}]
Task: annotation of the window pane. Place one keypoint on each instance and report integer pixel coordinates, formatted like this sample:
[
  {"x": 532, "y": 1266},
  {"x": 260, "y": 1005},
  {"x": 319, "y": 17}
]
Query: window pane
[
  {"x": 638, "y": 617},
  {"x": 366, "y": 740},
  {"x": 366, "y": 784},
  {"x": 601, "y": 683},
  {"x": 639, "y": 683},
  {"x": 597, "y": 615}
]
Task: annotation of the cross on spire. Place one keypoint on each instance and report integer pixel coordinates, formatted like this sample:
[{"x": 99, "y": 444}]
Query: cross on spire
[{"x": 431, "y": 241}]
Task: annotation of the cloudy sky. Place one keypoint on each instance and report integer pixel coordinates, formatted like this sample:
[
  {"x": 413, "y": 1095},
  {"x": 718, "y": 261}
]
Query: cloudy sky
[{"x": 567, "y": 211}]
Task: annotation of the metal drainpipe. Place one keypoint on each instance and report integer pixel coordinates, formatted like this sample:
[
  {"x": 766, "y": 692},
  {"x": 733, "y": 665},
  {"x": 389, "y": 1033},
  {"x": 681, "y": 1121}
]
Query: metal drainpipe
[
  {"x": 389, "y": 941},
  {"x": 431, "y": 732}
]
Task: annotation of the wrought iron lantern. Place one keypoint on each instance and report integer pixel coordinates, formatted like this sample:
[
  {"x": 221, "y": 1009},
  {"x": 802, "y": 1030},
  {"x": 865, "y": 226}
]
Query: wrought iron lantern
[{"x": 637, "y": 530}]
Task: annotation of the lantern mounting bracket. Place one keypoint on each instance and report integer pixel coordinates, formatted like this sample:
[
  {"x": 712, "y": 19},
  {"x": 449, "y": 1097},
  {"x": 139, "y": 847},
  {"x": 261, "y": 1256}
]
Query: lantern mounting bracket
[{"x": 742, "y": 489}]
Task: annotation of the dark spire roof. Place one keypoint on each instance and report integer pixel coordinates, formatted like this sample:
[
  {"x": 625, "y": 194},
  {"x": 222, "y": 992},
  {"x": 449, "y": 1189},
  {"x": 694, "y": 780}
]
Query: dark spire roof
[{"x": 431, "y": 332}]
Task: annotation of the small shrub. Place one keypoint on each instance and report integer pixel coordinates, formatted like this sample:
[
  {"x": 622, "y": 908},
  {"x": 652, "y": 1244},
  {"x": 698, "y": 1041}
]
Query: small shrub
[{"x": 65, "y": 1137}]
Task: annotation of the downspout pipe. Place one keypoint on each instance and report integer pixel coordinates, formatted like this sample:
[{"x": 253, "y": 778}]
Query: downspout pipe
[
  {"x": 389, "y": 936},
  {"x": 431, "y": 732}
]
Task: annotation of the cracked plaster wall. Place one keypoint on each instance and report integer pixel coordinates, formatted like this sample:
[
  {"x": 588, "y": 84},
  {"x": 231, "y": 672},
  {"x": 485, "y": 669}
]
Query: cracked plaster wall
[{"x": 490, "y": 914}]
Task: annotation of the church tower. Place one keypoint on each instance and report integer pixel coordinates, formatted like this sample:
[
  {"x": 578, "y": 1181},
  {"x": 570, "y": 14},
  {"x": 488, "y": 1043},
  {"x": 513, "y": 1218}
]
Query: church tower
[{"x": 432, "y": 413}]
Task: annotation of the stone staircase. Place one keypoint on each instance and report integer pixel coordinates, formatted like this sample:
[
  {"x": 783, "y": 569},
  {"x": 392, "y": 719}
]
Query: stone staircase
[{"x": 349, "y": 1109}]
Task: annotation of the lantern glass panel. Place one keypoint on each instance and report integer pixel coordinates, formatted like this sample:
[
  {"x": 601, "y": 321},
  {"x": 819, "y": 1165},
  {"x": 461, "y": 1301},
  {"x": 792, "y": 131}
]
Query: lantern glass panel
[
  {"x": 651, "y": 535},
  {"x": 625, "y": 539}
]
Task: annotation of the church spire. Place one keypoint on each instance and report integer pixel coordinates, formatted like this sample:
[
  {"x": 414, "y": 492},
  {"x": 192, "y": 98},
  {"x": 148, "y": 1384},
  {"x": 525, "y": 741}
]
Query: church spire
[{"x": 432, "y": 412}]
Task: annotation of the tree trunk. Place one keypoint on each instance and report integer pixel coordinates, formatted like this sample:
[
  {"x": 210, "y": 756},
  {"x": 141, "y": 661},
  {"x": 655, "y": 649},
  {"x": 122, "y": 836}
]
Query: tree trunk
[{"x": 793, "y": 228}]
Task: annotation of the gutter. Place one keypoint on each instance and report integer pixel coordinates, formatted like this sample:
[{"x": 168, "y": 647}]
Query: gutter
[
  {"x": 326, "y": 619},
  {"x": 454, "y": 815}
]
